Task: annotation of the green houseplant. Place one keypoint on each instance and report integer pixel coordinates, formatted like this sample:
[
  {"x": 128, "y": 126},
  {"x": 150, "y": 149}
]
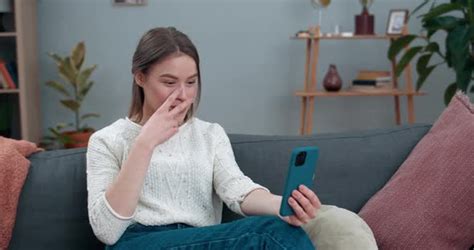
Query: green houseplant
[
  {"x": 74, "y": 87},
  {"x": 456, "y": 19}
]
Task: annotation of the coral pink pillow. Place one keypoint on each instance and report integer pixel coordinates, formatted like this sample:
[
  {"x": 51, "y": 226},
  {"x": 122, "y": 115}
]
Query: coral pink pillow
[{"x": 429, "y": 202}]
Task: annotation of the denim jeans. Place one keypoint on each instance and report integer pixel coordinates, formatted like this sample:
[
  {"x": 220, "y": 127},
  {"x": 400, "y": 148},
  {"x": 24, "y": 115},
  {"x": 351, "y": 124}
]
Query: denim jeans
[{"x": 259, "y": 232}]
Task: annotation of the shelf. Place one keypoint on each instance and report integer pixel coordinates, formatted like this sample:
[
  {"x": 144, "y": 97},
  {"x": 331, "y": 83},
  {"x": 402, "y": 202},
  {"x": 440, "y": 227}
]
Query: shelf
[
  {"x": 357, "y": 93},
  {"x": 9, "y": 91},
  {"x": 311, "y": 80},
  {"x": 20, "y": 45},
  {"x": 7, "y": 34},
  {"x": 341, "y": 37}
]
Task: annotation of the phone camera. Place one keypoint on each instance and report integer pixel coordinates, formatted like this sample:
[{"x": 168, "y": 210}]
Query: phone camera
[{"x": 300, "y": 159}]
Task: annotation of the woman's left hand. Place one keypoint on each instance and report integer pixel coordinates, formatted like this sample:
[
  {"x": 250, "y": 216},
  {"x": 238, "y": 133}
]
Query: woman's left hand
[{"x": 305, "y": 203}]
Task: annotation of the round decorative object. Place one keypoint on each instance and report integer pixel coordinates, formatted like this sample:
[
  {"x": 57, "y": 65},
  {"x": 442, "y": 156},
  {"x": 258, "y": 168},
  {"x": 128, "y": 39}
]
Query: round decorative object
[
  {"x": 332, "y": 80},
  {"x": 320, "y": 3}
]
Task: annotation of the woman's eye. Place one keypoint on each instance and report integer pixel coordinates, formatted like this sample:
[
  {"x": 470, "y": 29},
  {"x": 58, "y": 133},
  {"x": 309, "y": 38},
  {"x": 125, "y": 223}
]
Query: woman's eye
[
  {"x": 169, "y": 83},
  {"x": 192, "y": 82}
]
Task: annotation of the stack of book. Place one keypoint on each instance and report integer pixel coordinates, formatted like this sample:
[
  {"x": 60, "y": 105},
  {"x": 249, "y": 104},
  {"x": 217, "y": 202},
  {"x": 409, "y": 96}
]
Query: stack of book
[
  {"x": 372, "y": 81},
  {"x": 8, "y": 75}
]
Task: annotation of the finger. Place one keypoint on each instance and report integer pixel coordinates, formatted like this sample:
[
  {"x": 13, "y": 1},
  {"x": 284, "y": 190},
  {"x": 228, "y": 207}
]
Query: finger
[
  {"x": 304, "y": 203},
  {"x": 171, "y": 98},
  {"x": 311, "y": 196},
  {"x": 293, "y": 220},
  {"x": 299, "y": 212},
  {"x": 181, "y": 107}
]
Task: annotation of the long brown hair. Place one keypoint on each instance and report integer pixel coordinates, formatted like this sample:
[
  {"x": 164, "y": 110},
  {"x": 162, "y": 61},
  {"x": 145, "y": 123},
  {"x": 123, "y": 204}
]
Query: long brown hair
[{"x": 154, "y": 46}]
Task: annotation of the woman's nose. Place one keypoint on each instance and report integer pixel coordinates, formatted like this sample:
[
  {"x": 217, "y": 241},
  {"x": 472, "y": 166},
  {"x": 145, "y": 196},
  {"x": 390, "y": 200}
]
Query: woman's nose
[{"x": 182, "y": 92}]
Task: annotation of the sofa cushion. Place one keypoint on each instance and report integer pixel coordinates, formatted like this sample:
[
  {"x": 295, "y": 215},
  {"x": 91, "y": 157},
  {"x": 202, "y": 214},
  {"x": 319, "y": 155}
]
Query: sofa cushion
[
  {"x": 429, "y": 202},
  {"x": 351, "y": 168},
  {"x": 52, "y": 210}
]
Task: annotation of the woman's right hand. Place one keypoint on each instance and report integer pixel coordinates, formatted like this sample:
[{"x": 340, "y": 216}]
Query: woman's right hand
[{"x": 163, "y": 124}]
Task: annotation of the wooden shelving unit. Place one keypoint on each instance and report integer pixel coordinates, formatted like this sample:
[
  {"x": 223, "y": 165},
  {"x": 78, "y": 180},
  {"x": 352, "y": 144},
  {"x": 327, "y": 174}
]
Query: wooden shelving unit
[
  {"x": 20, "y": 46},
  {"x": 355, "y": 93},
  {"x": 7, "y": 34},
  {"x": 310, "y": 91},
  {"x": 9, "y": 91}
]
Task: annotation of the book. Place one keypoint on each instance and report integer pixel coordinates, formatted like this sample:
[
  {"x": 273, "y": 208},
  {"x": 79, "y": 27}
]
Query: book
[
  {"x": 6, "y": 75},
  {"x": 372, "y": 74},
  {"x": 377, "y": 87},
  {"x": 364, "y": 82},
  {"x": 3, "y": 82},
  {"x": 12, "y": 69},
  {"x": 384, "y": 79}
]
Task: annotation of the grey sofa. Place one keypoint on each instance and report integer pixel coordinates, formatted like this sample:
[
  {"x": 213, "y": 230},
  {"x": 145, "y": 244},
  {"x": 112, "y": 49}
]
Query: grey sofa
[{"x": 52, "y": 210}]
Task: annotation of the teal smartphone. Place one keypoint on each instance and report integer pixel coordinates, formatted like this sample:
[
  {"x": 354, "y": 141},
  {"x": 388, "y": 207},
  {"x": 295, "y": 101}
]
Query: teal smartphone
[{"x": 300, "y": 171}]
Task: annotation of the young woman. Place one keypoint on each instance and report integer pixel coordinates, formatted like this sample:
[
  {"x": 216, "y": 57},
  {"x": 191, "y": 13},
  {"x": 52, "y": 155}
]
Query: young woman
[{"x": 158, "y": 178}]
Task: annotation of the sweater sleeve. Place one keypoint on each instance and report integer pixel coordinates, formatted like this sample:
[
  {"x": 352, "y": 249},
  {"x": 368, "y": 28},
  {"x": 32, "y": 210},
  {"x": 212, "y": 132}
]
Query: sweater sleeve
[
  {"x": 231, "y": 185},
  {"x": 102, "y": 168}
]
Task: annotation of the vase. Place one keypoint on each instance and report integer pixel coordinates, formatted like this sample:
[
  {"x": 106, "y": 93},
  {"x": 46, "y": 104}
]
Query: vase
[
  {"x": 332, "y": 81},
  {"x": 364, "y": 23}
]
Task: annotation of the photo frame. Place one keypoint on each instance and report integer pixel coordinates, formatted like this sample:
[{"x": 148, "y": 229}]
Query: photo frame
[
  {"x": 397, "y": 19},
  {"x": 129, "y": 2}
]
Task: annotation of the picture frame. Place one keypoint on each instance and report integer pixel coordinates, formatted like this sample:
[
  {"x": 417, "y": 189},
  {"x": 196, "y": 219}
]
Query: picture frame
[
  {"x": 397, "y": 19},
  {"x": 129, "y": 2}
]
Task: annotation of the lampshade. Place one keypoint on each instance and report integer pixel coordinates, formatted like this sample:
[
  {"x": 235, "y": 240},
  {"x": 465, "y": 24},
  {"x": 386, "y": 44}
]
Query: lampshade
[{"x": 5, "y": 6}]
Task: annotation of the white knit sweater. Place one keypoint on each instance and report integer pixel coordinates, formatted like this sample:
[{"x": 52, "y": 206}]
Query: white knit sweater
[{"x": 188, "y": 178}]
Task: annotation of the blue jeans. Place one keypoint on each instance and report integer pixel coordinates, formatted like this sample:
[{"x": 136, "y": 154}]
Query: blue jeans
[{"x": 259, "y": 232}]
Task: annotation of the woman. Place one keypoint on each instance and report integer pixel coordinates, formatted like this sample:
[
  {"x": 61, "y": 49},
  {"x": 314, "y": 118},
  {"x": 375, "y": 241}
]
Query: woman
[{"x": 157, "y": 178}]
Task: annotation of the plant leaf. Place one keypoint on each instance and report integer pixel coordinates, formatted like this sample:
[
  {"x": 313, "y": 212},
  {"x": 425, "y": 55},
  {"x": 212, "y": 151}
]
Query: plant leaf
[
  {"x": 446, "y": 23},
  {"x": 449, "y": 93},
  {"x": 89, "y": 115},
  {"x": 71, "y": 104},
  {"x": 422, "y": 63},
  {"x": 463, "y": 2},
  {"x": 83, "y": 76},
  {"x": 67, "y": 72},
  {"x": 85, "y": 90},
  {"x": 59, "y": 60},
  {"x": 432, "y": 47},
  {"x": 58, "y": 86},
  {"x": 397, "y": 45},
  {"x": 54, "y": 131},
  {"x": 423, "y": 75},
  {"x": 78, "y": 54},
  {"x": 62, "y": 125},
  {"x": 72, "y": 67},
  {"x": 458, "y": 44},
  {"x": 58, "y": 136},
  {"x": 442, "y": 9},
  {"x": 419, "y": 7},
  {"x": 407, "y": 57}
]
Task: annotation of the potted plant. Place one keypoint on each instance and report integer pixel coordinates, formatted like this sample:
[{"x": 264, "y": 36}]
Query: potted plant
[
  {"x": 456, "y": 19},
  {"x": 76, "y": 87}
]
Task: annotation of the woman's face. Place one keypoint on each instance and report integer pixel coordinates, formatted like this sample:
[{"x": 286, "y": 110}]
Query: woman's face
[{"x": 177, "y": 72}]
